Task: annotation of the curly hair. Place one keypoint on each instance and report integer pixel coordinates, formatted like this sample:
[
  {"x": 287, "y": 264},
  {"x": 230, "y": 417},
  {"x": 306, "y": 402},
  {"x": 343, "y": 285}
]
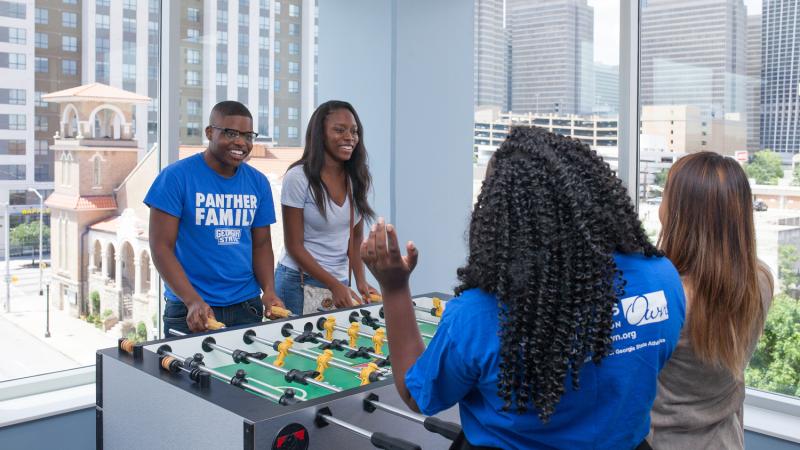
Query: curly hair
[{"x": 542, "y": 236}]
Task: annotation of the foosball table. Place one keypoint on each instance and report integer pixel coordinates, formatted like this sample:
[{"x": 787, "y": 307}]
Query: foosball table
[{"x": 321, "y": 381}]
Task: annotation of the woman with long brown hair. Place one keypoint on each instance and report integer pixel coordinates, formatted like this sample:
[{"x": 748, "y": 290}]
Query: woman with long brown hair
[{"x": 708, "y": 233}]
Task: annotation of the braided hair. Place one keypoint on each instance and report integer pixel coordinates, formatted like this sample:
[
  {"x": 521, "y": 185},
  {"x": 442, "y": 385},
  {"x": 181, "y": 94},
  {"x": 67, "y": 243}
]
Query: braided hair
[{"x": 548, "y": 219}]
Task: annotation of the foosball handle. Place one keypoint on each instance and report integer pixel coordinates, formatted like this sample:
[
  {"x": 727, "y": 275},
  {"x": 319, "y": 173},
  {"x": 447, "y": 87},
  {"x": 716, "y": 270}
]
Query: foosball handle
[
  {"x": 447, "y": 429},
  {"x": 375, "y": 298},
  {"x": 212, "y": 324},
  {"x": 383, "y": 440},
  {"x": 282, "y": 313}
]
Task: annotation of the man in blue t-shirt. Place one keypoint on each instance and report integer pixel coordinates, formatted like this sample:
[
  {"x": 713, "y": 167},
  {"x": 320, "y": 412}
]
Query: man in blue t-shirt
[{"x": 210, "y": 218}]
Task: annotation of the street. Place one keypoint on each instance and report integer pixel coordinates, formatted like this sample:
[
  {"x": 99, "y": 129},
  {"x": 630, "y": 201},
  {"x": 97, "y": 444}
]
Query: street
[{"x": 24, "y": 349}]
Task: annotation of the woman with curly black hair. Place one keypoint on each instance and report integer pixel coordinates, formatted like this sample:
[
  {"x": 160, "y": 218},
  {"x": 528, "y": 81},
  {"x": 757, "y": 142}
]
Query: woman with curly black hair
[{"x": 564, "y": 315}]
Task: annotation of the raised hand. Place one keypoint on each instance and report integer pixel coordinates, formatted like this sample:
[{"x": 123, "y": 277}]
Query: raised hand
[{"x": 381, "y": 254}]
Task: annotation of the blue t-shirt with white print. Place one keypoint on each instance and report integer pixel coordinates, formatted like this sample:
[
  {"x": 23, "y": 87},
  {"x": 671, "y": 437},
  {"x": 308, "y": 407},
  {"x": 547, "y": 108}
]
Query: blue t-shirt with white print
[
  {"x": 611, "y": 410},
  {"x": 214, "y": 243}
]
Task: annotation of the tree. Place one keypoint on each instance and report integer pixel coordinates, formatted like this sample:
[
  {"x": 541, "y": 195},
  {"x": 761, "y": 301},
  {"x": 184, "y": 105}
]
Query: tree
[
  {"x": 28, "y": 233},
  {"x": 787, "y": 270},
  {"x": 765, "y": 167},
  {"x": 775, "y": 366},
  {"x": 661, "y": 178},
  {"x": 796, "y": 175}
]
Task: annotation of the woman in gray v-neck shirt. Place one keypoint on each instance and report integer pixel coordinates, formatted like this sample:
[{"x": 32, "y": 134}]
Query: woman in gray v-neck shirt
[
  {"x": 708, "y": 233},
  {"x": 324, "y": 204}
]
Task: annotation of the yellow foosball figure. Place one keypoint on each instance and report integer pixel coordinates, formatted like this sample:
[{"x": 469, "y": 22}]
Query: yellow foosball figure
[
  {"x": 322, "y": 364},
  {"x": 283, "y": 350}
]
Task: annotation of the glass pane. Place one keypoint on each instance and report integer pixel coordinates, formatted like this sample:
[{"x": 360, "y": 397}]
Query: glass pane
[
  {"x": 720, "y": 78},
  {"x": 552, "y": 64},
  {"x": 87, "y": 280}
]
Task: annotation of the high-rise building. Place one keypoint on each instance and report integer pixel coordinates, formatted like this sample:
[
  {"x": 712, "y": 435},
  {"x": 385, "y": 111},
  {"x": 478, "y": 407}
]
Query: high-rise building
[
  {"x": 552, "y": 62},
  {"x": 693, "y": 53},
  {"x": 32, "y": 60},
  {"x": 780, "y": 80},
  {"x": 753, "y": 82},
  {"x": 606, "y": 89},
  {"x": 491, "y": 64}
]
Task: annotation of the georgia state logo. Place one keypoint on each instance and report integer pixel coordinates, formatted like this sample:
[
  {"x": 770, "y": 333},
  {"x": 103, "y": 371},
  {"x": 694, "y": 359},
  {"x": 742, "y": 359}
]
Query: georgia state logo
[{"x": 646, "y": 308}]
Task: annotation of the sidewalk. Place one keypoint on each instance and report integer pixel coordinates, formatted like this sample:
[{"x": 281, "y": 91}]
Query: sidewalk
[{"x": 72, "y": 342}]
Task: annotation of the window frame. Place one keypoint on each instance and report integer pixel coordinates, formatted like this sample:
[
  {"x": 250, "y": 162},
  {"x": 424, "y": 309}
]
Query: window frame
[{"x": 77, "y": 384}]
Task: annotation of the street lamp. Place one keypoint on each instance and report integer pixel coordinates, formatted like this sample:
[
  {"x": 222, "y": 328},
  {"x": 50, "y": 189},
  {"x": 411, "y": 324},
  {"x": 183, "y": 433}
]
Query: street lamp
[{"x": 41, "y": 224}]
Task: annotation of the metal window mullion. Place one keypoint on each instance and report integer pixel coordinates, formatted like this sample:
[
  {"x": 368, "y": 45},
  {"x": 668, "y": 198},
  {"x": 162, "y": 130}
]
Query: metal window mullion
[{"x": 628, "y": 138}]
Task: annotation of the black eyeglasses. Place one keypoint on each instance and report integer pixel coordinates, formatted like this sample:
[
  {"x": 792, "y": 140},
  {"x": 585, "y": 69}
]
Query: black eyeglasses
[{"x": 232, "y": 134}]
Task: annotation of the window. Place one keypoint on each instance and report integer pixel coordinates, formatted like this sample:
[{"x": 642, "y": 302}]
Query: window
[
  {"x": 192, "y": 56},
  {"x": 222, "y": 37},
  {"x": 294, "y": 68},
  {"x": 128, "y": 25},
  {"x": 15, "y": 35},
  {"x": 222, "y": 79},
  {"x": 277, "y": 8},
  {"x": 193, "y": 14},
  {"x": 294, "y": 87},
  {"x": 102, "y": 21},
  {"x": 69, "y": 20},
  {"x": 242, "y": 81},
  {"x": 244, "y": 20},
  {"x": 277, "y": 66},
  {"x": 294, "y": 48},
  {"x": 41, "y": 16},
  {"x": 263, "y": 42},
  {"x": 37, "y": 100},
  {"x": 277, "y": 45},
  {"x": 276, "y": 112},
  {"x": 12, "y": 122},
  {"x": 294, "y": 10},
  {"x": 40, "y": 123},
  {"x": 16, "y": 61},
  {"x": 263, "y": 82},
  {"x": 192, "y": 78},
  {"x": 192, "y": 128},
  {"x": 292, "y": 113},
  {"x": 12, "y": 96},
  {"x": 193, "y": 107},
  {"x": 12, "y": 172},
  {"x": 193, "y": 35},
  {"x": 294, "y": 29},
  {"x": 96, "y": 167},
  {"x": 129, "y": 72},
  {"x": 263, "y": 23},
  {"x": 41, "y": 65},
  {"x": 69, "y": 43},
  {"x": 70, "y": 2},
  {"x": 222, "y": 58},
  {"x": 12, "y": 147},
  {"x": 277, "y": 87},
  {"x": 291, "y": 132},
  {"x": 69, "y": 67},
  {"x": 40, "y": 40},
  {"x": 12, "y": 9}
]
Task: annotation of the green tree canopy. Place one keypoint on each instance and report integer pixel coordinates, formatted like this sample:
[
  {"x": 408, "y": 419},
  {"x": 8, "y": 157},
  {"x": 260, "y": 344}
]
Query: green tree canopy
[
  {"x": 787, "y": 272},
  {"x": 796, "y": 175},
  {"x": 28, "y": 233},
  {"x": 661, "y": 178},
  {"x": 775, "y": 365},
  {"x": 765, "y": 167}
]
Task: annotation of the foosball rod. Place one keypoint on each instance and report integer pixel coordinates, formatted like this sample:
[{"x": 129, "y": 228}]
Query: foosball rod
[
  {"x": 378, "y": 439},
  {"x": 210, "y": 344},
  {"x": 429, "y": 322},
  {"x": 286, "y": 399},
  {"x": 251, "y": 335},
  {"x": 292, "y": 331},
  {"x": 446, "y": 429},
  {"x": 368, "y": 320}
]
